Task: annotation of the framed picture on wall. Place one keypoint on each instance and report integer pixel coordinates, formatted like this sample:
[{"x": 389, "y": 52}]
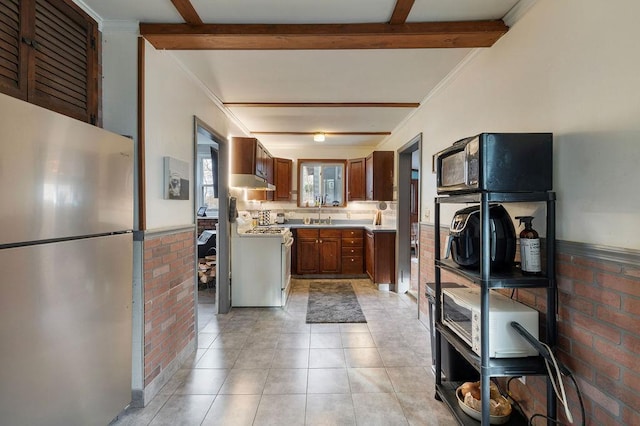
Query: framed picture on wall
[{"x": 176, "y": 179}]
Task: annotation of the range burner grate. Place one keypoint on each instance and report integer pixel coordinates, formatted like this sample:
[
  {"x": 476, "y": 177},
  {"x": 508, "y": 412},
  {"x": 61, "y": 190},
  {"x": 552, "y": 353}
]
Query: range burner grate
[{"x": 266, "y": 230}]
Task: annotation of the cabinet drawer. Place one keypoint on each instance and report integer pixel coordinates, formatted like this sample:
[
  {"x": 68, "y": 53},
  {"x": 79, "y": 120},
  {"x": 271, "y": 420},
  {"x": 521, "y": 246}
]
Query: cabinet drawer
[
  {"x": 352, "y": 242},
  {"x": 307, "y": 233},
  {"x": 352, "y": 233},
  {"x": 351, "y": 251},
  {"x": 352, "y": 265},
  {"x": 330, "y": 233}
]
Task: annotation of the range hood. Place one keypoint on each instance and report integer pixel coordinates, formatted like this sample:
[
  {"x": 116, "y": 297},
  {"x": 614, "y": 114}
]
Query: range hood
[{"x": 247, "y": 181}]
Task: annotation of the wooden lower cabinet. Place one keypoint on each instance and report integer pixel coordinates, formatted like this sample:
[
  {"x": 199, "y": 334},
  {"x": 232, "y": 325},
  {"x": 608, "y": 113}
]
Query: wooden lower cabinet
[
  {"x": 352, "y": 251},
  {"x": 318, "y": 251},
  {"x": 330, "y": 254},
  {"x": 307, "y": 251},
  {"x": 380, "y": 257},
  {"x": 369, "y": 250},
  {"x": 346, "y": 251}
]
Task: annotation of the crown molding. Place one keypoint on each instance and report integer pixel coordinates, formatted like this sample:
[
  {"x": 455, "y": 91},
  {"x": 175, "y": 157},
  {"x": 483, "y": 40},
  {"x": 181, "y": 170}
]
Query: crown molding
[
  {"x": 518, "y": 11},
  {"x": 89, "y": 11}
]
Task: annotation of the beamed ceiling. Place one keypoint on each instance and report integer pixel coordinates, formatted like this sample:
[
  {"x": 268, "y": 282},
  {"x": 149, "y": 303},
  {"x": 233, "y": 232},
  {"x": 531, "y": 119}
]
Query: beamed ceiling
[{"x": 286, "y": 69}]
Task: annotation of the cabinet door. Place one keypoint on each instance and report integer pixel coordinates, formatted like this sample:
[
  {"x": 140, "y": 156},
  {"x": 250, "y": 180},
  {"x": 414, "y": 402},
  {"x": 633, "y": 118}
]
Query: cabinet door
[
  {"x": 369, "y": 177},
  {"x": 384, "y": 257},
  {"x": 330, "y": 256},
  {"x": 270, "y": 174},
  {"x": 65, "y": 60},
  {"x": 307, "y": 253},
  {"x": 379, "y": 176},
  {"x": 369, "y": 251},
  {"x": 260, "y": 169},
  {"x": 243, "y": 155},
  {"x": 49, "y": 54},
  {"x": 13, "y": 71},
  {"x": 282, "y": 171},
  {"x": 356, "y": 181}
]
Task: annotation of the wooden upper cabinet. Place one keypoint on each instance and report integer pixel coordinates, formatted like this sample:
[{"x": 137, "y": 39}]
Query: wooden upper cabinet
[
  {"x": 379, "y": 176},
  {"x": 283, "y": 169},
  {"x": 13, "y": 53},
  {"x": 244, "y": 155},
  {"x": 248, "y": 156},
  {"x": 356, "y": 180},
  {"x": 49, "y": 56},
  {"x": 264, "y": 163}
]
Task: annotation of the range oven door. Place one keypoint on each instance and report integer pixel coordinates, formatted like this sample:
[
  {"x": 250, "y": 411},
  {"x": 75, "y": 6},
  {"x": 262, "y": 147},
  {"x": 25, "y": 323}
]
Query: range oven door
[{"x": 286, "y": 269}]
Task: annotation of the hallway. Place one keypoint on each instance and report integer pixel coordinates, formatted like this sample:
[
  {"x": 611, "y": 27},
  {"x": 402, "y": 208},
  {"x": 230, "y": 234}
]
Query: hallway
[{"x": 260, "y": 366}]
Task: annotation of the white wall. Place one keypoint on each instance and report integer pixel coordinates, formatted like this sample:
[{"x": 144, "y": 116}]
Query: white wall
[
  {"x": 569, "y": 67},
  {"x": 119, "y": 77},
  {"x": 172, "y": 98},
  {"x": 120, "y": 84}
]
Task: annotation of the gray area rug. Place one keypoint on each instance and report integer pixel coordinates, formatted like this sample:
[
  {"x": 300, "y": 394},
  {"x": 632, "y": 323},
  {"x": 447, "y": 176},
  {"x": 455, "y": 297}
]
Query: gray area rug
[{"x": 333, "y": 302}]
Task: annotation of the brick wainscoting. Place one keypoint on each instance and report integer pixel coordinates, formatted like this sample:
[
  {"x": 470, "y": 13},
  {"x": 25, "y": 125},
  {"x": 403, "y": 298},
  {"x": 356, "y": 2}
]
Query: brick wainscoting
[
  {"x": 206, "y": 223},
  {"x": 169, "y": 309},
  {"x": 598, "y": 330}
]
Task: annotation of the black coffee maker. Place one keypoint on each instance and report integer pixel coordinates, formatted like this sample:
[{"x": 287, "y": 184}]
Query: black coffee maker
[{"x": 464, "y": 238}]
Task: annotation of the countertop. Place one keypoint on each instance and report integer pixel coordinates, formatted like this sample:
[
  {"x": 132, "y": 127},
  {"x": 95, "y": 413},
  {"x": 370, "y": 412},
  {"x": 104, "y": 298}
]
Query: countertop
[{"x": 342, "y": 225}]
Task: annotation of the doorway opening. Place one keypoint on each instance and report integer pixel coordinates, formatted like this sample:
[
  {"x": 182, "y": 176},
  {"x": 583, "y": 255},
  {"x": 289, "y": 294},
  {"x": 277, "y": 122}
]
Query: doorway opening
[
  {"x": 409, "y": 168},
  {"x": 210, "y": 217}
]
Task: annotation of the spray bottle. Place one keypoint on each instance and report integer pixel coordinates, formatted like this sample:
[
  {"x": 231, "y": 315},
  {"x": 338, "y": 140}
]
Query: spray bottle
[{"x": 529, "y": 247}]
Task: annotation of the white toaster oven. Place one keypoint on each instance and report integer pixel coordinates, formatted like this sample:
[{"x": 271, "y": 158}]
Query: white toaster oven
[{"x": 461, "y": 314}]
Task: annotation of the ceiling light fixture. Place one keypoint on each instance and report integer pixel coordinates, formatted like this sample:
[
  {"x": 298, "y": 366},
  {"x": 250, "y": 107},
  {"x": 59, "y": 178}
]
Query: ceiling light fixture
[{"x": 318, "y": 137}]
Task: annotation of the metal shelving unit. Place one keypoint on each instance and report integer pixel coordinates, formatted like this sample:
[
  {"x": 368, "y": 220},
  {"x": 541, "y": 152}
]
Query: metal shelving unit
[{"x": 488, "y": 280}]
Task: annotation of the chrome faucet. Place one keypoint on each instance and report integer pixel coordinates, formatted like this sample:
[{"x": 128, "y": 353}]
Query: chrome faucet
[{"x": 319, "y": 210}]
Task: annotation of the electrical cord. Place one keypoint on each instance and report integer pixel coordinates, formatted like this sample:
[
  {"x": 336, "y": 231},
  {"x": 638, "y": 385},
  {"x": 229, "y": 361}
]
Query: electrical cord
[
  {"x": 580, "y": 401},
  {"x": 508, "y": 395},
  {"x": 562, "y": 396},
  {"x": 556, "y": 380},
  {"x": 530, "y": 422},
  {"x": 544, "y": 416}
]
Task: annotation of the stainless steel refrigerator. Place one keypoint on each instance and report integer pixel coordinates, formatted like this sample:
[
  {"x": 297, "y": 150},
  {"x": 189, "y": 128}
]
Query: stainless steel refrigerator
[{"x": 66, "y": 214}]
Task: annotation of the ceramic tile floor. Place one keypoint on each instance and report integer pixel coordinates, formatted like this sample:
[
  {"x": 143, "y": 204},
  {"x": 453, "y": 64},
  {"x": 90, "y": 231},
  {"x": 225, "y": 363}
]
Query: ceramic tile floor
[{"x": 268, "y": 367}]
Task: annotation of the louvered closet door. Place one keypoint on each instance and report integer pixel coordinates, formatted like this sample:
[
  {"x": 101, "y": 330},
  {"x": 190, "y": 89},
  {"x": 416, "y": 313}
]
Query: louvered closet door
[
  {"x": 13, "y": 53},
  {"x": 64, "y": 68}
]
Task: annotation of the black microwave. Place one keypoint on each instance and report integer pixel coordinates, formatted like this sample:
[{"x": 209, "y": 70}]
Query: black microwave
[{"x": 496, "y": 162}]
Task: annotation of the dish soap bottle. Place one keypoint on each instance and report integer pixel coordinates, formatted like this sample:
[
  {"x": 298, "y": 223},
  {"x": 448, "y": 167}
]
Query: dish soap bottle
[{"x": 529, "y": 247}]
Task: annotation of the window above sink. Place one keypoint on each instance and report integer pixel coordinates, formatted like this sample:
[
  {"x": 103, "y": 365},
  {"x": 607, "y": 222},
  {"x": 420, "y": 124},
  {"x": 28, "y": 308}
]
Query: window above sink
[{"x": 322, "y": 183}]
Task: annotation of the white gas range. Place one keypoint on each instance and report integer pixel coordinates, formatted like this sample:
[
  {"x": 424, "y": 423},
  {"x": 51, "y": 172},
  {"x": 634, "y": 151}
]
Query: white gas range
[{"x": 260, "y": 265}]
